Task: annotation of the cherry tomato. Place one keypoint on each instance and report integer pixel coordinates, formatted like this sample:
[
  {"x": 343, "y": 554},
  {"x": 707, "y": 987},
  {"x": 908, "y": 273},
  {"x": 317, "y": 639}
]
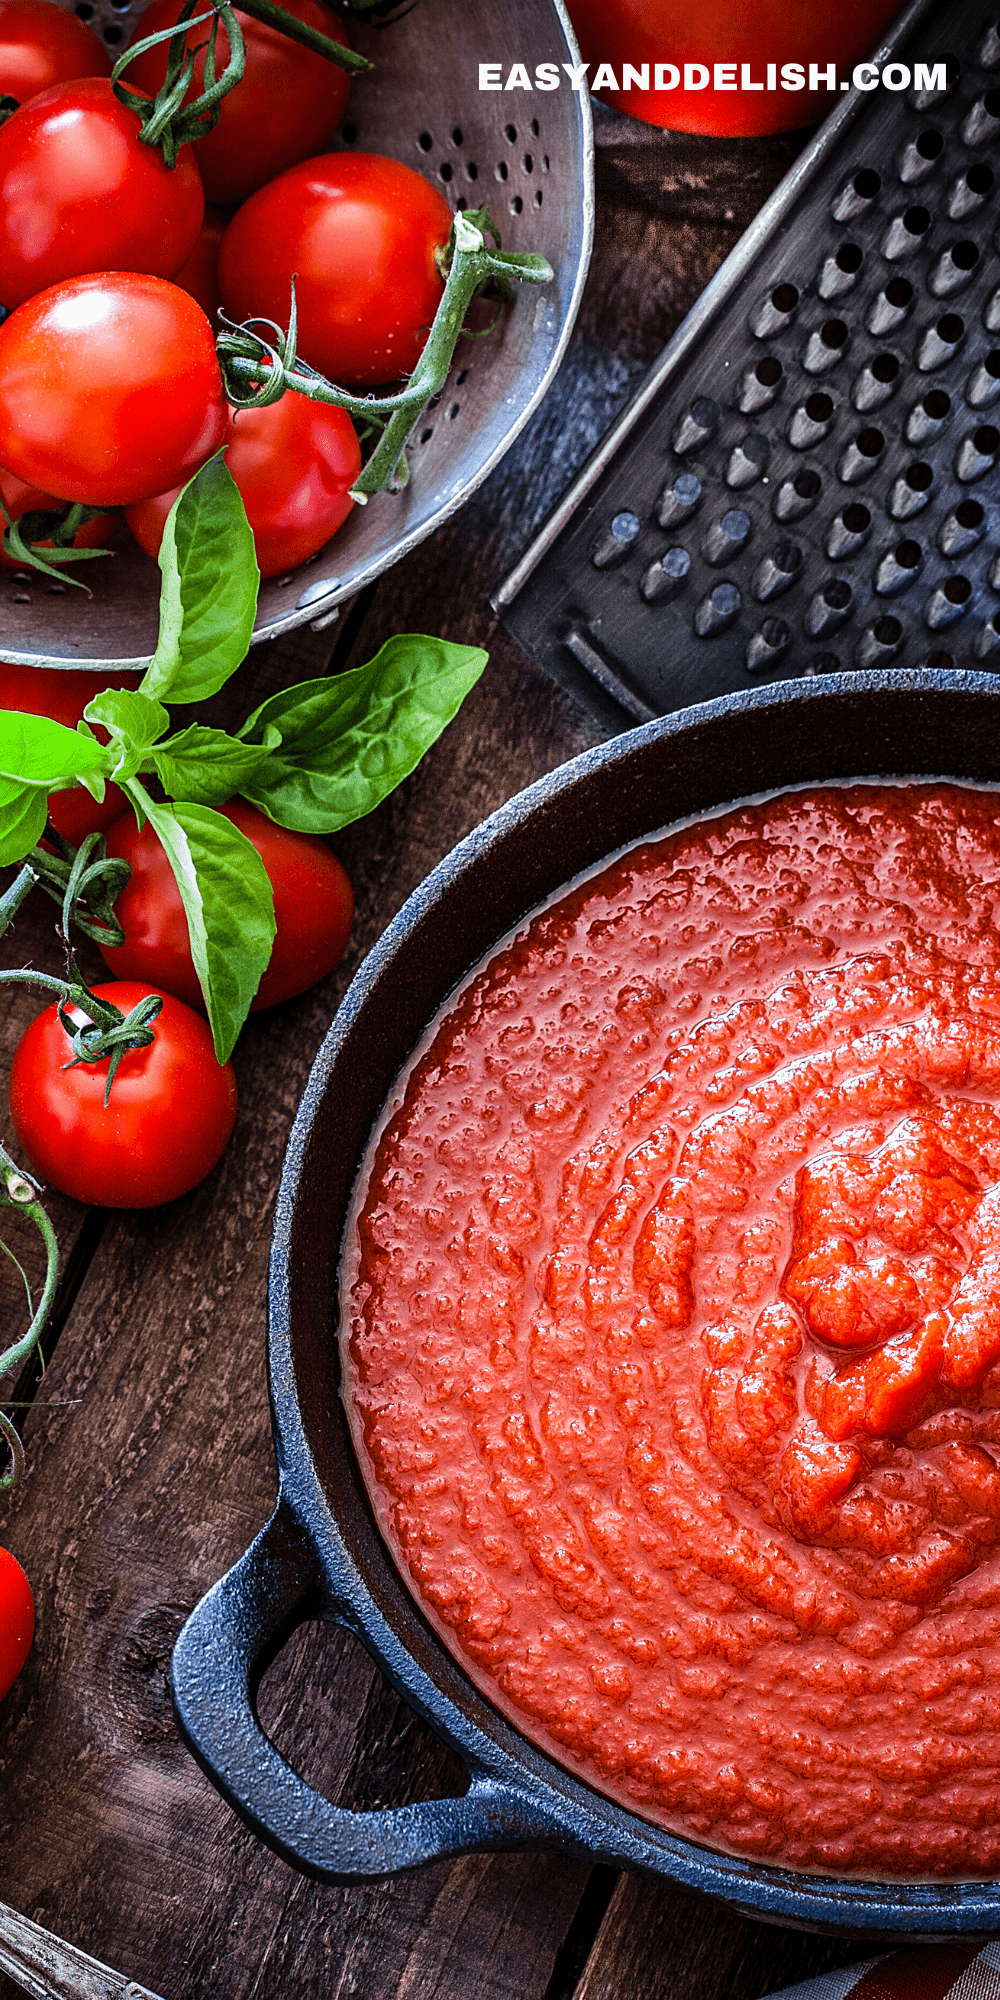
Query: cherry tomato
[
  {"x": 109, "y": 389},
  {"x": 80, "y": 192},
  {"x": 358, "y": 232},
  {"x": 199, "y": 274},
  {"x": 313, "y": 908},
  {"x": 20, "y": 499},
  {"x": 171, "y": 1111},
  {"x": 17, "y": 1620},
  {"x": 64, "y": 695},
  {"x": 41, "y": 44},
  {"x": 294, "y": 463},
  {"x": 649, "y": 32},
  {"x": 287, "y": 106}
]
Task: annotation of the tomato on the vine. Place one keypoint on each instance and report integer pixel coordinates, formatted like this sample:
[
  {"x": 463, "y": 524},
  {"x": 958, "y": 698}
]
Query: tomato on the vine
[
  {"x": 20, "y": 499},
  {"x": 42, "y": 44},
  {"x": 64, "y": 695},
  {"x": 294, "y": 462},
  {"x": 313, "y": 908},
  {"x": 166, "y": 1124},
  {"x": 358, "y": 233},
  {"x": 288, "y": 104},
  {"x": 80, "y": 192},
  {"x": 109, "y": 389},
  {"x": 17, "y": 1620}
]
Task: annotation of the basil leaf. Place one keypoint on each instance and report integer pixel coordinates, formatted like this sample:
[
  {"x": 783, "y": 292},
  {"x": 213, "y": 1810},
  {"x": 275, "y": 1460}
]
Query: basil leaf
[
  {"x": 39, "y": 752},
  {"x": 229, "y": 905},
  {"x": 208, "y": 598},
  {"x": 133, "y": 722},
  {"x": 206, "y": 766},
  {"x": 23, "y": 813},
  {"x": 347, "y": 742}
]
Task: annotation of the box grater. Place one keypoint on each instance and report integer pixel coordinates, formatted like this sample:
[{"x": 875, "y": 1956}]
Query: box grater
[{"x": 806, "y": 482}]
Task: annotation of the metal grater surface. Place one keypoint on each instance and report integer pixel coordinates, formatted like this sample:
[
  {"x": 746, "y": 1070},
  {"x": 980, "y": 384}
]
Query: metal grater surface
[{"x": 808, "y": 479}]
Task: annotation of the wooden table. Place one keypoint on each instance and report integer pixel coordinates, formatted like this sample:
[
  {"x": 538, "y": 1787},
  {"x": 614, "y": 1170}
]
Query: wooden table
[{"x": 150, "y": 1465}]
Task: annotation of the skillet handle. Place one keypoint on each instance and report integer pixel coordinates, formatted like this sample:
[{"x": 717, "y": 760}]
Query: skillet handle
[{"x": 223, "y": 1649}]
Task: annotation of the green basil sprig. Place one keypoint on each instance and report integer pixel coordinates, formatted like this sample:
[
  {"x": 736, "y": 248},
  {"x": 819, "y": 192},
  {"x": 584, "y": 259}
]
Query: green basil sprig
[{"x": 313, "y": 758}]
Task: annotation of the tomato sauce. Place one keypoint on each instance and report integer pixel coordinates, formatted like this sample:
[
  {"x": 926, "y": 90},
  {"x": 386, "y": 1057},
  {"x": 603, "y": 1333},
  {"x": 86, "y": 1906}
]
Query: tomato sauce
[{"x": 673, "y": 1354}]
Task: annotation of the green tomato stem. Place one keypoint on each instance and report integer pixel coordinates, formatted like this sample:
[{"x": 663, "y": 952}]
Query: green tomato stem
[
  {"x": 17, "y": 1191},
  {"x": 301, "y": 31}
]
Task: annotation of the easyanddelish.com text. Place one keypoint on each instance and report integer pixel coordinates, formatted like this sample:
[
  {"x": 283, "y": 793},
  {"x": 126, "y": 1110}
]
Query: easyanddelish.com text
[{"x": 721, "y": 76}]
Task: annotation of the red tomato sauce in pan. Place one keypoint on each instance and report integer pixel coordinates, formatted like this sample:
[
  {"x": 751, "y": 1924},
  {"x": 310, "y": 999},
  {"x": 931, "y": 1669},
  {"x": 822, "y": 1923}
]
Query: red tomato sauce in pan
[{"x": 674, "y": 1344}]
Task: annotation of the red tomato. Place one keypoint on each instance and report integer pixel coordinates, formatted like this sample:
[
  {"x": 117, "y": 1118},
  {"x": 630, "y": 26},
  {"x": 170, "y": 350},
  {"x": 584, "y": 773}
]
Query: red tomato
[
  {"x": 17, "y": 1620},
  {"x": 358, "y": 232},
  {"x": 288, "y": 104},
  {"x": 64, "y": 696},
  {"x": 313, "y": 908},
  {"x": 109, "y": 389},
  {"x": 617, "y": 32},
  {"x": 171, "y": 1111},
  {"x": 41, "y": 44},
  {"x": 199, "y": 274},
  {"x": 80, "y": 192},
  {"x": 294, "y": 463},
  {"x": 20, "y": 499}
]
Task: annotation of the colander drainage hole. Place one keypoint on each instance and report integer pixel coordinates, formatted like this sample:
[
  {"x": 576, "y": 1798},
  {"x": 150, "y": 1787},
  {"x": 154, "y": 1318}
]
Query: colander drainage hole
[
  {"x": 501, "y": 170},
  {"x": 348, "y": 133},
  {"x": 424, "y": 141},
  {"x": 456, "y": 137},
  {"x": 516, "y": 205},
  {"x": 446, "y": 170},
  {"x": 510, "y": 132},
  {"x": 453, "y": 412},
  {"x": 462, "y": 376},
  {"x": 538, "y": 198},
  {"x": 472, "y": 170},
  {"x": 426, "y": 436}
]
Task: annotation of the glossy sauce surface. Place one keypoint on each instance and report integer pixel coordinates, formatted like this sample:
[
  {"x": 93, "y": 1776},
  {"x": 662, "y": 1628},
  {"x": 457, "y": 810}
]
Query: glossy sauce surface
[{"x": 673, "y": 1353}]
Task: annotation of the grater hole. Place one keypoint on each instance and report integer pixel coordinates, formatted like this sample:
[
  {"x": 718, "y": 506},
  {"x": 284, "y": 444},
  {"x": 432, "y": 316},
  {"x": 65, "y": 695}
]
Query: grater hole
[
  {"x": 916, "y": 221},
  {"x": 833, "y": 334},
  {"x": 885, "y": 367},
  {"x": 986, "y": 440},
  {"x": 958, "y": 590},
  {"x": 965, "y": 255},
  {"x": 888, "y": 631},
  {"x": 867, "y": 184},
  {"x": 769, "y": 371},
  {"x": 992, "y": 364},
  {"x": 950, "y": 328},
  {"x": 807, "y": 484},
  {"x": 940, "y": 663},
  {"x": 510, "y": 133},
  {"x": 919, "y": 476},
  {"x": 456, "y": 136},
  {"x": 870, "y": 442},
  {"x": 930, "y": 144},
  {"x": 908, "y": 554},
  {"x": 114, "y": 35},
  {"x": 992, "y": 103},
  {"x": 936, "y": 404},
  {"x": 899, "y": 293},
  {"x": 501, "y": 170},
  {"x": 819, "y": 407},
  {"x": 446, "y": 170},
  {"x": 837, "y": 594},
  {"x": 785, "y": 298},
  {"x": 516, "y": 205},
  {"x": 969, "y": 514},
  {"x": 850, "y": 258},
  {"x": 979, "y": 179},
  {"x": 424, "y": 141},
  {"x": 856, "y": 518},
  {"x": 787, "y": 558},
  {"x": 775, "y": 632}
]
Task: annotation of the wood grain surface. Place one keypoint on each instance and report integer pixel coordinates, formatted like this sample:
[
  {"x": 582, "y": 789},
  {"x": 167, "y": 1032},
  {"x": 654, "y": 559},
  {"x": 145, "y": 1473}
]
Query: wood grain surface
[{"x": 150, "y": 1466}]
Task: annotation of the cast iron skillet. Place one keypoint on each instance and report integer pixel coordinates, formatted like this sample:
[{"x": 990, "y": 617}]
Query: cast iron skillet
[{"x": 321, "y": 1554}]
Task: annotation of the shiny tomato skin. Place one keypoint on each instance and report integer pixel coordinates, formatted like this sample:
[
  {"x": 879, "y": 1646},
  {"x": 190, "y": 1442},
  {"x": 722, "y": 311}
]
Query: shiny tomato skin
[
  {"x": 79, "y": 192},
  {"x": 727, "y": 31},
  {"x": 17, "y": 1620},
  {"x": 109, "y": 389},
  {"x": 313, "y": 908},
  {"x": 170, "y": 1115},
  {"x": 64, "y": 696},
  {"x": 20, "y": 499},
  {"x": 294, "y": 462},
  {"x": 199, "y": 273},
  {"x": 288, "y": 104},
  {"x": 358, "y": 233},
  {"x": 42, "y": 44}
]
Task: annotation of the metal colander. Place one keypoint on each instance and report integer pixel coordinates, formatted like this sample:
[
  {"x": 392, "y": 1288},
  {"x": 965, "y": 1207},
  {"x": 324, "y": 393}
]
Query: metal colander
[{"x": 529, "y": 159}]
